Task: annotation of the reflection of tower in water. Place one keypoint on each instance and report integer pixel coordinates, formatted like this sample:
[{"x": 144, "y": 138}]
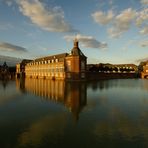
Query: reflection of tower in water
[
  {"x": 75, "y": 97},
  {"x": 71, "y": 94},
  {"x": 20, "y": 84}
]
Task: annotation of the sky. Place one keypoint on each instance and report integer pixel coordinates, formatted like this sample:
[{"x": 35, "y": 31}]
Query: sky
[{"x": 109, "y": 31}]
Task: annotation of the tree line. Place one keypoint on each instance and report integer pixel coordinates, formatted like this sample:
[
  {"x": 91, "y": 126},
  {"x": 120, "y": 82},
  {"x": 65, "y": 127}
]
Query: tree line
[{"x": 7, "y": 72}]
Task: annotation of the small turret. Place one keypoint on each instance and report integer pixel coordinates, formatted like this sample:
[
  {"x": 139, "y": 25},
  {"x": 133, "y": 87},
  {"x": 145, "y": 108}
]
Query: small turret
[{"x": 76, "y": 43}]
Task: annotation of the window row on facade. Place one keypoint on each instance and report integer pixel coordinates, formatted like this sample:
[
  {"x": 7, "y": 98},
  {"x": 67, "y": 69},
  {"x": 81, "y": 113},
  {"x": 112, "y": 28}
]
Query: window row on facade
[
  {"x": 44, "y": 62},
  {"x": 57, "y": 69}
]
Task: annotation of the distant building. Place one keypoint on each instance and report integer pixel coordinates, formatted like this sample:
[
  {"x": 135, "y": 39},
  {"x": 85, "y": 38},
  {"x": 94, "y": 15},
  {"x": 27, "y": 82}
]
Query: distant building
[
  {"x": 127, "y": 67},
  {"x": 61, "y": 66},
  {"x": 144, "y": 73},
  {"x": 118, "y": 68}
]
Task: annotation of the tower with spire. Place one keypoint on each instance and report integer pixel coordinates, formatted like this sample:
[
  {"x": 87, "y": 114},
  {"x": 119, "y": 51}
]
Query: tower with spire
[{"x": 76, "y": 63}]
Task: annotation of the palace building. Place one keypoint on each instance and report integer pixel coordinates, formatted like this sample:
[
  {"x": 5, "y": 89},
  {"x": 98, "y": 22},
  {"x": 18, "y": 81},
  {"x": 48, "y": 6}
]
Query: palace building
[{"x": 65, "y": 66}]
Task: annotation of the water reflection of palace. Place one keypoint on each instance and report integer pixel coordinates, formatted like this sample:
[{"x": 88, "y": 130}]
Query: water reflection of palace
[{"x": 71, "y": 94}]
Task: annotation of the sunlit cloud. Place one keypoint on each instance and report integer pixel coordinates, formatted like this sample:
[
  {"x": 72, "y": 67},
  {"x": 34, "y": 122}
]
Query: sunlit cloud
[
  {"x": 102, "y": 17},
  {"x": 142, "y": 16},
  {"x": 144, "y": 2},
  {"x": 87, "y": 41},
  {"x": 114, "y": 32},
  {"x": 144, "y": 43},
  {"x": 9, "y": 2},
  {"x": 51, "y": 19},
  {"x": 11, "y": 48},
  {"x": 122, "y": 23},
  {"x": 144, "y": 30}
]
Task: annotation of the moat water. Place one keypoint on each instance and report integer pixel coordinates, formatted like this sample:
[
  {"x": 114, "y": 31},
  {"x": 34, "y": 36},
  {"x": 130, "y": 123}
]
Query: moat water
[{"x": 37, "y": 113}]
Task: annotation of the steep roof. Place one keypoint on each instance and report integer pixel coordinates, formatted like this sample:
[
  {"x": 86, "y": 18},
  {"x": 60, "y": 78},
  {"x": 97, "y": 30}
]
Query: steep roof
[
  {"x": 75, "y": 51},
  {"x": 24, "y": 61},
  {"x": 57, "y": 56}
]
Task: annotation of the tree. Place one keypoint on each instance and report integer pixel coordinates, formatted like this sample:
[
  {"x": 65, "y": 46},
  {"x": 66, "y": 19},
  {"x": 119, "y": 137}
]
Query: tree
[{"x": 5, "y": 67}]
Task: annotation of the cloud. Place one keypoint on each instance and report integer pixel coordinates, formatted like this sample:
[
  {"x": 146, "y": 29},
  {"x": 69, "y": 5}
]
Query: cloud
[
  {"x": 144, "y": 30},
  {"x": 11, "y": 61},
  {"x": 144, "y": 43},
  {"x": 10, "y": 47},
  {"x": 51, "y": 19},
  {"x": 122, "y": 23},
  {"x": 102, "y": 17},
  {"x": 141, "y": 60},
  {"x": 9, "y": 2},
  {"x": 144, "y": 2},
  {"x": 142, "y": 16},
  {"x": 5, "y": 26},
  {"x": 114, "y": 32},
  {"x": 87, "y": 41}
]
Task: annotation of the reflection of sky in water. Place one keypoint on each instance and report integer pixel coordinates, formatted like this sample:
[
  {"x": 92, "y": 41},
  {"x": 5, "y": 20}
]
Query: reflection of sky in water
[
  {"x": 119, "y": 110},
  {"x": 114, "y": 114},
  {"x": 8, "y": 92},
  {"x": 131, "y": 95}
]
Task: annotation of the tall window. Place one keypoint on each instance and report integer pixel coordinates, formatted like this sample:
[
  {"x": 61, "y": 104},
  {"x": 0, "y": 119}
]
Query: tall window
[
  {"x": 82, "y": 65},
  {"x": 56, "y": 60},
  {"x": 68, "y": 65}
]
